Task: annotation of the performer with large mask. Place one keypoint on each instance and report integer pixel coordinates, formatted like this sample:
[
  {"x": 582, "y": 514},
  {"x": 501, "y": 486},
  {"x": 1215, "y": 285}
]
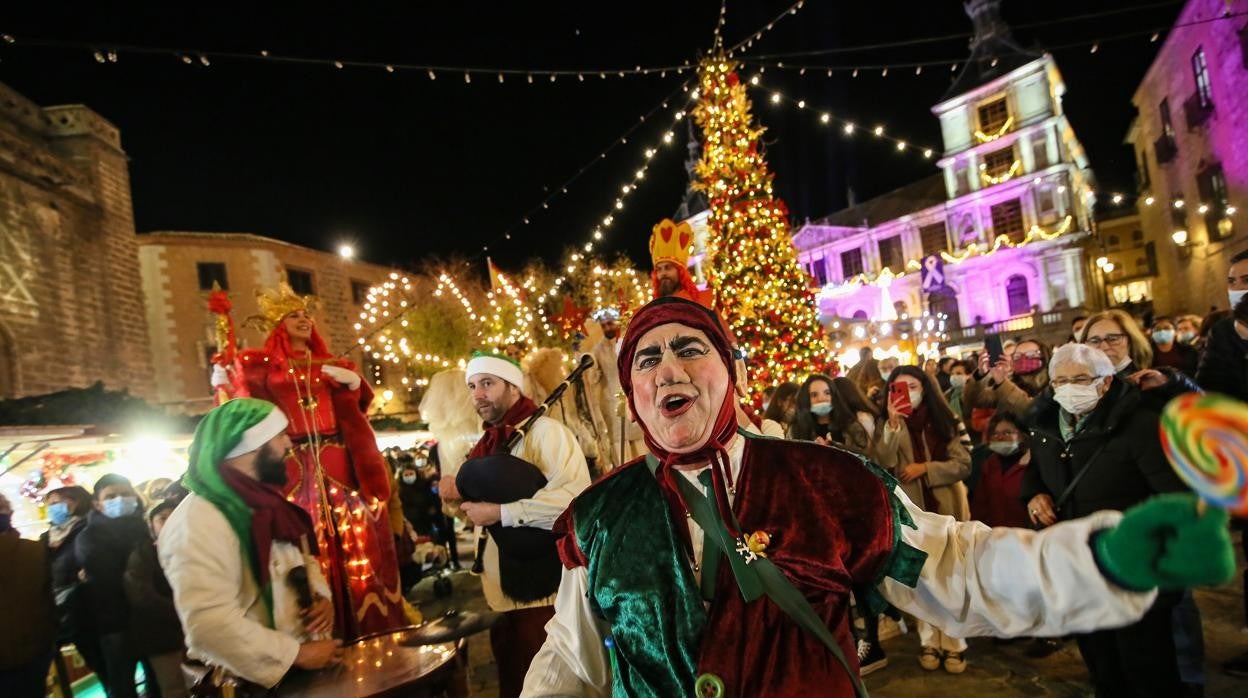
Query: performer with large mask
[
  {"x": 334, "y": 470},
  {"x": 722, "y": 563}
]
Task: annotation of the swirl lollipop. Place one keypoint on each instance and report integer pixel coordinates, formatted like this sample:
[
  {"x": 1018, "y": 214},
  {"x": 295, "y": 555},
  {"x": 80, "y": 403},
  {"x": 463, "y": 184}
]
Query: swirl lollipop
[{"x": 1205, "y": 437}]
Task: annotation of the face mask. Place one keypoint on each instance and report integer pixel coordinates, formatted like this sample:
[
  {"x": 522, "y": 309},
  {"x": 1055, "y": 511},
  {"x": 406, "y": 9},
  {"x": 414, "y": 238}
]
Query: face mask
[
  {"x": 1077, "y": 399},
  {"x": 957, "y": 380},
  {"x": 1024, "y": 365},
  {"x": 421, "y": 462},
  {"x": 1003, "y": 448},
  {"x": 1163, "y": 336},
  {"x": 1236, "y": 297},
  {"x": 916, "y": 397},
  {"x": 118, "y": 507},
  {"x": 1187, "y": 337},
  {"x": 58, "y": 513},
  {"x": 821, "y": 409},
  {"x": 885, "y": 375},
  {"x": 409, "y": 479}
]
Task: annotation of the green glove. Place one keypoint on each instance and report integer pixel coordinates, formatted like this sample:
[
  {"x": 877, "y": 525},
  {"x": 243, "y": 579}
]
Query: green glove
[{"x": 1164, "y": 543}]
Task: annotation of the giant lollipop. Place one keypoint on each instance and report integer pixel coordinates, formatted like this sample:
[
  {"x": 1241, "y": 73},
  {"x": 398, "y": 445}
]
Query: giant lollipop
[{"x": 1205, "y": 436}]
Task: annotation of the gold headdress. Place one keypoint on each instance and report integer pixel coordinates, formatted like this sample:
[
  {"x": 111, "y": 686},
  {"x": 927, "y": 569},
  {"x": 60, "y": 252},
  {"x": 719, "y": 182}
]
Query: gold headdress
[
  {"x": 670, "y": 241},
  {"x": 277, "y": 303}
]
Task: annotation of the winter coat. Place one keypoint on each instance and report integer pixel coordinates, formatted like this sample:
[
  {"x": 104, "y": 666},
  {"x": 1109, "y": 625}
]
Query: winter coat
[
  {"x": 1120, "y": 435},
  {"x": 1155, "y": 399},
  {"x": 1014, "y": 395},
  {"x": 154, "y": 627},
  {"x": 1224, "y": 363},
  {"x": 1184, "y": 361},
  {"x": 944, "y": 478},
  {"x": 103, "y": 547},
  {"x": 73, "y": 610},
  {"x": 27, "y": 613}
]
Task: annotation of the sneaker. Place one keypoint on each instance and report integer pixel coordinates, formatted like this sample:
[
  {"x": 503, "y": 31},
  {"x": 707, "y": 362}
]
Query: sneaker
[
  {"x": 955, "y": 662},
  {"x": 1042, "y": 647},
  {"x": 1236, "y": 666},
  {"x": 929, "y": 658},
  {"x": 871, "y": 657}
]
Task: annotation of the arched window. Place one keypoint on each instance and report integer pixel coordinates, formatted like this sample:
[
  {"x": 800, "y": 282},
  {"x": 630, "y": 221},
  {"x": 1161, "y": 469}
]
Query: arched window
[
  {"x": 860, "y": 315},
  {"x": 1017, "y": 295}
]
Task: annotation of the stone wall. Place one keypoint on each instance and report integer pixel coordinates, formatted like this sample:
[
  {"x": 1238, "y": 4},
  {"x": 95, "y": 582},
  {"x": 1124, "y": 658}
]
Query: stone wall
[{"x": 71, "y": 306}]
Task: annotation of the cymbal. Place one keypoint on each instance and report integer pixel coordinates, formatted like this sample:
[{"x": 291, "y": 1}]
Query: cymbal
[{"x": 452, "y": 626}]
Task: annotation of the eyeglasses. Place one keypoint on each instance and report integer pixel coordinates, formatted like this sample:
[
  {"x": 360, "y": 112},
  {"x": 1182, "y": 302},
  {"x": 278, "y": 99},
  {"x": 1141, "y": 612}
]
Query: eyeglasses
[
  {"x": 1109, "y": 339},
  {"x": 1077, "y": 380},
  {"x": 1002, "y": 435}
]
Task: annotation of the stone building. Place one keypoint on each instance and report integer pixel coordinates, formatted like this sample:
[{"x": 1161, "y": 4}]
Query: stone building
[
  {"x": 995, "y": 242},
  {"x": 179, "y": 269},
  {"x": 71, "y": 306},
  {"x": 1191, "y": 146}
]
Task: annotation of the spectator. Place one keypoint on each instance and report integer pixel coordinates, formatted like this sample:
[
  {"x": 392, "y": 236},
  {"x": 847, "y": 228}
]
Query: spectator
[
  {"x": 1076, "y": 328},
  {"x": 781, "y": 410},
  {"x": 959, "y": 376},
  {"x": 1187, "y": 329},
  {"x": 945, "y": 363},
  {"x": 27, "y": 615},
  {"x": 154, "y": 631},
  {"x": 1118, "y": 335},
  {"x": 995, "y": 486},
  {"x": 1013, "y": 383},
  {"x": 68, "y": 508},
  {"x": 866, "y": 373},
  {"x": 114, "y": 528},
  {"x": 925, "y": 446},
  {"x": 1095, "y": 446},
  {"x": 828, "y": 415},
  {"x": 1168, "y": 350}
]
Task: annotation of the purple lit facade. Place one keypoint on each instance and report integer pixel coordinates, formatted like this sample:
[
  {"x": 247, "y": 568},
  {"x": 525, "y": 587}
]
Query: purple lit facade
[{"x": 1191, "y": 144}]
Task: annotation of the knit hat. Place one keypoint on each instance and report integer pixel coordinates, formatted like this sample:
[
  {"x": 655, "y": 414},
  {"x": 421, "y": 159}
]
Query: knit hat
[{"x": 495, "y": 365}]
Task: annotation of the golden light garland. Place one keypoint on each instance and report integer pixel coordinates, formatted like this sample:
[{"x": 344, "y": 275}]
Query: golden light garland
[
  {"x": 988, "y": 138},
  {"x": 990, "y": 180}
]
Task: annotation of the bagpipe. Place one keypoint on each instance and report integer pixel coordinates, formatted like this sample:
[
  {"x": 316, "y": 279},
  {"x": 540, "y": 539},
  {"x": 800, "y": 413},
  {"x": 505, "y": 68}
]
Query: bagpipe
[{"x": 528, "y": 562}]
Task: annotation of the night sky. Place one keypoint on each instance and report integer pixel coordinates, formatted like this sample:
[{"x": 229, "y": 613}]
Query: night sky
[{"x": 410, "y": 169}]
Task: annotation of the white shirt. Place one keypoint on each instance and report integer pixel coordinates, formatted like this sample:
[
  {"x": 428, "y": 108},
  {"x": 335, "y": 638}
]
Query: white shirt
[{"x": 976, "y": 581}]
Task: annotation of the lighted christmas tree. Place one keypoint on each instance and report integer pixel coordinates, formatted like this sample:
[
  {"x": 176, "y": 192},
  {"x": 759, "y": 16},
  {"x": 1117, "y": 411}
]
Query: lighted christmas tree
[{"x": 761, "y": 290}]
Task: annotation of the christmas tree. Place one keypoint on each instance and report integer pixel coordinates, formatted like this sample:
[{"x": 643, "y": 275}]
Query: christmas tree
[{"x": 763, "y": 293}]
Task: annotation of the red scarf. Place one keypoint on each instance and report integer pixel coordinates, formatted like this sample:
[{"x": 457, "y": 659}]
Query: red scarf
[
  {"x": 272, "y": 518},
  {"x": 496, "y": 435}
]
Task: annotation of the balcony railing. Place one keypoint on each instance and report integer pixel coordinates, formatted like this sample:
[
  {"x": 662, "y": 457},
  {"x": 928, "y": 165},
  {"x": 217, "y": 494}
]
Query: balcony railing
[
  {"x": 1165, "y": 149},
  {"x": 1197, "y": 110}
]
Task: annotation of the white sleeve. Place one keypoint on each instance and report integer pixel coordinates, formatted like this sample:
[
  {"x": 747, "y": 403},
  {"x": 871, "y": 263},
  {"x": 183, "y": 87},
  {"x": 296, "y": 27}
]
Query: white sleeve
[
  {"x": 205, "y": 569},
  {"x": 554, "y": 450},
  {"x": 573, "y": 661},
  {"x": 1012, "y": 582}
]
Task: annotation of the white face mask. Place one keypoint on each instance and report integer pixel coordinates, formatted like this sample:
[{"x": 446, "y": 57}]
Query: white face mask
[
  {"x": 821, "y": 409},
  {"x": 1004, "y": 448},
  {"x": 1186, "y": 337},
  {"x": 1077, "y": 399},
  {"x": 1236, "y": 297},
  {"x": 957, "y": 380},
  {"x": 916, "y": 397}
]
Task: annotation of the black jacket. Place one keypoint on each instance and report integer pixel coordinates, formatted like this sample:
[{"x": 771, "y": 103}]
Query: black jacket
[
  {"x": 1187, "y": 359},
  {"x": 63, "y": 559},
  {"x": 1129, "y": 465},
  {"x": 154, "y": 626},
  {"x": 1224, "y": 363},
  {"x": 103, "y": 548},
  {"x": 1155, "y": 399}
]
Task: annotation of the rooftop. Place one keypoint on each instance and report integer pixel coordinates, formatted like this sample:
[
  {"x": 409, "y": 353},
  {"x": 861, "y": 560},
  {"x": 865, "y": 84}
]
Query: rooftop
[{"x": 911, "y": 198}]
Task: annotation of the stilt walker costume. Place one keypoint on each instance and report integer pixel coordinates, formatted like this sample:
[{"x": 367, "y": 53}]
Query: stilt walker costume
[
  {"x": 335, "y": 471},
  {"x": 721, "y": 563}
]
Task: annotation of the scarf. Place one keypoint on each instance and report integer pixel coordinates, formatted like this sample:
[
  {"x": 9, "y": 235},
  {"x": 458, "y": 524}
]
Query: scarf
[
  {"x": 273, "y": 518},
  {"x": 675, "y": 310},
  {"x": 924, "y": 437},
  {"x": 58, "y": 534},
  {"x": 496, "y": 435}
]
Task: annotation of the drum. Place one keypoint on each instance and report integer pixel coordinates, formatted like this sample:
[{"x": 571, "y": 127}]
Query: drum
[{"x": 386, "y": 664}]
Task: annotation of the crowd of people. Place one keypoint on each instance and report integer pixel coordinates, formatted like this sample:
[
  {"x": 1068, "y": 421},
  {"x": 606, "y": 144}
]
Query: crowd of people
[{"x": 243, "y": 564}]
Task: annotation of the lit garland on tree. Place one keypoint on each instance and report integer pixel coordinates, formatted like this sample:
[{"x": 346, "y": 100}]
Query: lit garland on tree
[{"x": 762, "y": 292}]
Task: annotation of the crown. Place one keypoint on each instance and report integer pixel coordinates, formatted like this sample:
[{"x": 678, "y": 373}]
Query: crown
[
  {"x": 277, "y": 303},
  {"x": 670, "y": 241}
]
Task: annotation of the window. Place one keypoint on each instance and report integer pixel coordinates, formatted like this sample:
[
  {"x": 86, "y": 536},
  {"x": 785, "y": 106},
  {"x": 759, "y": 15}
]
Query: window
[
  {"x": 992, "y": 117},
  {"x": 1017, "y": 295},
  {"x": 1137, "y": 236},
  {"x": 935, "y": 238},
  {"x": 819, "y": 271},
  {"x": 891, "y": 256},
  {"x": 1046, "y": 204},
  {"x": 1167, "y": 126},
  {"x": 1200, "y": 71},
  {"x": 961, "y": 184},
  {"x": 999, "y": 163},
  {"x": 851, "y": 264},
  {"x": 1112, "y": 241},
  {"x": 945, "y": 303},
  {"x": 1141, "y": 163},
  {"x": 860, "y": 315},
  {"x": 1211, "y": 183},
  {"x": 300, "y": 281},
  {"x": 1040, "y": 153},
  {"x": 359, "y": 292},
  {"x": 210, "y": 273},
  {"x": 1007, "y": 219}
]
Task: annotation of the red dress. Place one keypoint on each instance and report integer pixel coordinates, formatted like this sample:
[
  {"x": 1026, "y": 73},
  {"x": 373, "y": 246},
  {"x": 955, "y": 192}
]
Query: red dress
[{"x": 336, "y": 473}]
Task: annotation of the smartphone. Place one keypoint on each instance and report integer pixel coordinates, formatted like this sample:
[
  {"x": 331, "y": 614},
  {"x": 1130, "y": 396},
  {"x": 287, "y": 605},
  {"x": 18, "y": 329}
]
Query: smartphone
[
  {"x": 992, "y": 343},
  {"x": 899, "y": 395}
]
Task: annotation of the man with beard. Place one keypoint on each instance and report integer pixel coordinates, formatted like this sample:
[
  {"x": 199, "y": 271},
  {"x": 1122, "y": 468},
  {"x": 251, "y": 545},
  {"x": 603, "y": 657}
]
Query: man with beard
[
  {"x": 230, "y": 547},
  {"x": 669, "y": 257},
  {"x": 721, "y": 564},
  {"x": 525, "y": 595}
]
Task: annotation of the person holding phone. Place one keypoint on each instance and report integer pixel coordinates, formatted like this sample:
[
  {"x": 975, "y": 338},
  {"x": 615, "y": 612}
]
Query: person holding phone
[
  {"x": 925, "y": 446},
  {"x": 1009, "y": 383}
]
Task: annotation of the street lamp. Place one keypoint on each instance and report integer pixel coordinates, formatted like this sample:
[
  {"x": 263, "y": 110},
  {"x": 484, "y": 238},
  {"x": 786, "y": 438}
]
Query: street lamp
[
  {"x": 1179, "y": 237},
  {"x": 346, "y": 251}
]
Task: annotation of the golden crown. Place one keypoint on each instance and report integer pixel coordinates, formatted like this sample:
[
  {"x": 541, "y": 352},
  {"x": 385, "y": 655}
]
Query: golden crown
[
  {"x": 670, "y": 241},
  {"x": 277, "y": 303}
]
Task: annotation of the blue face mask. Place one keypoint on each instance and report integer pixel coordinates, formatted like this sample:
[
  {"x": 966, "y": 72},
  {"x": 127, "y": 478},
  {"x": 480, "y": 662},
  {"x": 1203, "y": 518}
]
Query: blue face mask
[
  {"x": 58, "y": 513},
  {"x": 118, "y": 507},
  {"x": 821, "y": 409}
]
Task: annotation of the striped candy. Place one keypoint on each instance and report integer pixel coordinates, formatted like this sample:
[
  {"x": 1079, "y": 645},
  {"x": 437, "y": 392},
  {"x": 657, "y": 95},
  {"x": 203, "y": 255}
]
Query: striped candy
[{"x": 1205, "y": 436}]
